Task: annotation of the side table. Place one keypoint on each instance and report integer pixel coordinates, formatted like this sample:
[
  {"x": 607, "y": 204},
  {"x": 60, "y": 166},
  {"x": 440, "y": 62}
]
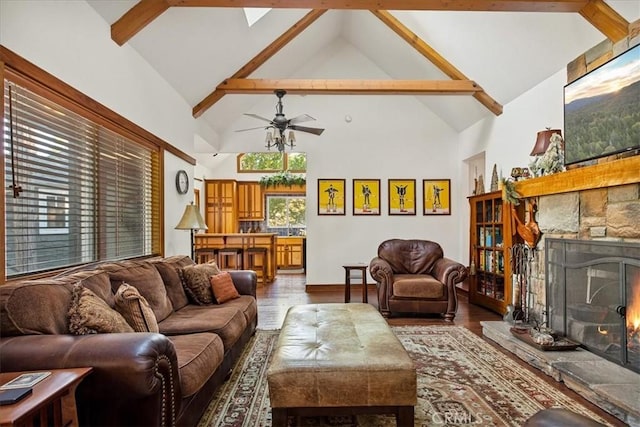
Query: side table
[
  {"x": 348, "y": 268},
  {"x": 57, "y": 391}
]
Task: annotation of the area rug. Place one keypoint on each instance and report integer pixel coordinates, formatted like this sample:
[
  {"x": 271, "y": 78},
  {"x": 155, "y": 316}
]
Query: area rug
[{"x": 462, "y": 380}]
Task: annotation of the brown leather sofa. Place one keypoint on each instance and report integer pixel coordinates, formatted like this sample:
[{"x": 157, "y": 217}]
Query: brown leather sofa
[
  {"x": 139, "y": 378},
  {"x": 413, "y": 276}
]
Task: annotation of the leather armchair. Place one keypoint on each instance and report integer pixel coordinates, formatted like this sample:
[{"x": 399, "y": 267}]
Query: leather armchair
[{"x": 413, "y": 276}]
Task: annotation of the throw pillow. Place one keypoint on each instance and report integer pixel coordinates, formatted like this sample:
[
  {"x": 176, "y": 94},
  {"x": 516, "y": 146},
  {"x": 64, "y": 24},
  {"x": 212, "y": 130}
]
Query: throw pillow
[
  {"x": 223, "y": 287},
  {"x": 90, "y": 314},
  {"x": 196, "y": 282},
  {"x": 135, "y": 309}
]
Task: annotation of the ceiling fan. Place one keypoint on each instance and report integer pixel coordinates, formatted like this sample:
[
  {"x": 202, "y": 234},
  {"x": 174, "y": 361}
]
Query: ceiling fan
[{"x": 280, "y": 124}]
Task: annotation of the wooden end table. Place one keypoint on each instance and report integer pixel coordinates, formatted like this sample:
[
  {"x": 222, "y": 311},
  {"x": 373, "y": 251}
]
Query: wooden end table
[
  {"x": 58, "y": 391},
  {"x": 358, "y": 266}
]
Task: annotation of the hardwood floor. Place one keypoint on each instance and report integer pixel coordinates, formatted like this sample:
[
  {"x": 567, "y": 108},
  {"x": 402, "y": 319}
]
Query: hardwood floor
[
  {"x": 287, "y": 290},
  {"x": 275, "y": 299}
]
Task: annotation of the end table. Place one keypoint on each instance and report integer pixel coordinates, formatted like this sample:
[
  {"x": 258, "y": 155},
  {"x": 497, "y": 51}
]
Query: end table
[
  {"x": 348, "y": 268},
  {"x": 58, "y": 391}
]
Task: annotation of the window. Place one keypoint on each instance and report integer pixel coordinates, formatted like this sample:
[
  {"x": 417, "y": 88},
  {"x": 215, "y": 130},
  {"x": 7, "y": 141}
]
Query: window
[
  {"x": 78, "y": 191},
  {"x": 253, "y": 14},
  {"x": 286, "y": 215},
  {"x": 272, "y": 162}
]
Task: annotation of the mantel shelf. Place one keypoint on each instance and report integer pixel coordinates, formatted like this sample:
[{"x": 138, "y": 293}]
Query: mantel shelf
[{"x": 609, "y": 174}]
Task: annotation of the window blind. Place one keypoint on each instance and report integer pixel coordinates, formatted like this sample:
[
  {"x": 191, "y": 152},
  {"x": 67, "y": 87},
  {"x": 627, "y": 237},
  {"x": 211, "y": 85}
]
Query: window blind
[{"x": 78, "y": 192}]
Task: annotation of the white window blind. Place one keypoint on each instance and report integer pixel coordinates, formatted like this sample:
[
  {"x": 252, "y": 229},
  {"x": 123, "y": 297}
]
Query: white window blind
[{"x": 77, "y": 192}]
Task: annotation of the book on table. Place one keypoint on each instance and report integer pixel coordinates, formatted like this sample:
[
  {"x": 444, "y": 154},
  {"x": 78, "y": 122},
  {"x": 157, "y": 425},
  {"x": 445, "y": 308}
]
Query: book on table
[
  {"x": 26, "y": 380},
  {"x": 14, "y": 395}
]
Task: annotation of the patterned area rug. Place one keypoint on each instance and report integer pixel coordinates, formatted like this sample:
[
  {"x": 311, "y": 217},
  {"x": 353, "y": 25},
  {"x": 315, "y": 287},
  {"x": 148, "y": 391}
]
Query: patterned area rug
[{"x": 462, "y": 380}]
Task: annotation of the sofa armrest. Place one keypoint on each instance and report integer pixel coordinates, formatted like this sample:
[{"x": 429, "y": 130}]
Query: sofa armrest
[
  {"x": 245, "y": 281},
  {"x": 128, "y": 367},
  {"x": 381, "y": 270},
  {"x": 449, "y": 271}
]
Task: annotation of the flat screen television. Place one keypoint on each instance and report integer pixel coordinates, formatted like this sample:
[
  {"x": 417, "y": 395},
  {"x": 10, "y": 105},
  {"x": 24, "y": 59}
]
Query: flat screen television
[{"x": 602, "y": 110}]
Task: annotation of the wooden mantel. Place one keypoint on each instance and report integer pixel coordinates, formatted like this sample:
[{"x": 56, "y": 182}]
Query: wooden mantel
[{"x": 609, "y": 174}]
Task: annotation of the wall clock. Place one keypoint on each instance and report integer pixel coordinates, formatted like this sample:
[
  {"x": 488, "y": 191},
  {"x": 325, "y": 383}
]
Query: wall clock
[{"x": 182, "y": 182}]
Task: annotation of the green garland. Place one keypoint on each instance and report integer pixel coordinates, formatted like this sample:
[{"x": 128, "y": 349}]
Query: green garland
[
  {"x": 509, "y": 193},
  {"x": 285, "y": 178}
]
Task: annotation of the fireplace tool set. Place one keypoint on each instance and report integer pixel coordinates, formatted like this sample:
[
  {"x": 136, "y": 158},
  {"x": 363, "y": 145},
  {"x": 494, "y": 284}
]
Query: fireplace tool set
[{"x": 525, "y": 327}]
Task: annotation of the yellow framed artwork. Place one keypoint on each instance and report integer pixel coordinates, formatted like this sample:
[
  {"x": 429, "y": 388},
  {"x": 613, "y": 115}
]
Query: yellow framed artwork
[
  {"x": 366, "y": 197},
  {"x": 402, "y": 197},
  {"x": 331, "y": 197},
  {"x": 436, "y": 196}
]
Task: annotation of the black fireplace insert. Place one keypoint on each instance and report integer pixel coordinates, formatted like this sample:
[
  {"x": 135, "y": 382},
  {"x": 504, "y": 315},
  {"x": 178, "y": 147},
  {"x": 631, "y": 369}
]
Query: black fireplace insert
[{"x": 593, "y": 296}]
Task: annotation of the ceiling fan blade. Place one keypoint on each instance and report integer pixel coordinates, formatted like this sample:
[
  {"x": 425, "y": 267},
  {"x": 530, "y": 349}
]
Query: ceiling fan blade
[
  {"x": 255, "y": 116},
  {"x": 259, "y": 127},
  {"x": 301, "y": 118},
  {"x": 315, "y": 131}
]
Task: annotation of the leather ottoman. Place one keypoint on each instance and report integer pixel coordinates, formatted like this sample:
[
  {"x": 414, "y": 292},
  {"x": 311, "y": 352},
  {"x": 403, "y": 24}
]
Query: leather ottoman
[
  {"x": 340, "y": 359},
  {"x": 560, "y": 417}
]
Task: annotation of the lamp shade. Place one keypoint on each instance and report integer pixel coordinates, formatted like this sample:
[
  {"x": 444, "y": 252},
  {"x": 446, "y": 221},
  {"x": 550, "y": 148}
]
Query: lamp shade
[
  {"x": 191, "y": 219},
  {"x": 543, "y": 140}
]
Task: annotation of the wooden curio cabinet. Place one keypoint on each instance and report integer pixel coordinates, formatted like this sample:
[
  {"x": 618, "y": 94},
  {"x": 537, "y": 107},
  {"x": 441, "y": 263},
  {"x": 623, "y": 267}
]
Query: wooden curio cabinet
[
  {"x": 492, "y": 237},
  {"x": 250, "y": 201},
  {"x": 221, "y": 206}
]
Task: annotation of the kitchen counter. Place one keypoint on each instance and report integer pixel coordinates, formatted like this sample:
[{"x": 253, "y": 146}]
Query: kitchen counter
[{"x": 242, "y": 240}]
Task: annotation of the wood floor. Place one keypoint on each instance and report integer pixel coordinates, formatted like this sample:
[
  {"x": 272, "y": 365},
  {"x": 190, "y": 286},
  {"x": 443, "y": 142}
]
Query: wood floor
[{"x": 275, "y": 299}]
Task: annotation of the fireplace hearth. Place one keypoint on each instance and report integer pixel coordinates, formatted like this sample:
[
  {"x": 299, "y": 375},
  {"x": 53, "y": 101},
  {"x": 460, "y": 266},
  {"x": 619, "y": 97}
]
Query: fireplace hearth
[{"x": 593, "y": 296}]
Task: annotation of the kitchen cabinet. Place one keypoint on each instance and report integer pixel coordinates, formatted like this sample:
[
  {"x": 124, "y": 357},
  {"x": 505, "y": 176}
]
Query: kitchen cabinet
[
  {"x": 221, "y": 206},
  {"x": 250, "y": 201},
  {"x": 290, "y": 252},
  {"x": 491, "y": 238}
]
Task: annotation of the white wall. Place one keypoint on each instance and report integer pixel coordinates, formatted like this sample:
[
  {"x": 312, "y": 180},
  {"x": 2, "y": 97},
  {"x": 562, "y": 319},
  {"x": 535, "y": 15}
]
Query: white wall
[
  {"x": 71, "y": 41},
  {"x": 388, "y": 137},
  {"x": 508, "y": 139}
]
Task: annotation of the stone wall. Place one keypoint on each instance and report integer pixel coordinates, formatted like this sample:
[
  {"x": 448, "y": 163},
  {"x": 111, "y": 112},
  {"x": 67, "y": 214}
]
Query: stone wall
[{"x": 611, "y": 214}]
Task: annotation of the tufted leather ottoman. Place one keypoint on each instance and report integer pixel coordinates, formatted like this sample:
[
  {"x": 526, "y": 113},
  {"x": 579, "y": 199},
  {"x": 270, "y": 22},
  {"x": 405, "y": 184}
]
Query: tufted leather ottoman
[{"x": 340, "y": 359}]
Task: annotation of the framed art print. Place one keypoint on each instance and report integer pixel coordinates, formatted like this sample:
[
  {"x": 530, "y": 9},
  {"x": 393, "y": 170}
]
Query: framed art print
[
  {"x": 331, "y": 197},
  {"x": 436, "y": 196},
  {"x": 366, "y": 197},
  {"x": 402, "y": 197}
]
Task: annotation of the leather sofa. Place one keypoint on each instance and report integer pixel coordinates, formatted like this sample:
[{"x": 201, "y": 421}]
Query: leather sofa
[
  {"x": 413, "y": 276},
  {"x": 160, "y": 378}
]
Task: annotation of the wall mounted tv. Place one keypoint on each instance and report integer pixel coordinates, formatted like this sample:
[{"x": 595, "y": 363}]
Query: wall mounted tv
[{"x": 602, "y": 110}]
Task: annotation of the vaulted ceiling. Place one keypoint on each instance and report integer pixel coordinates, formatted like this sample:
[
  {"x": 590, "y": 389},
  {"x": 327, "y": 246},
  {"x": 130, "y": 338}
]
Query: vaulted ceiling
[{"x": 463, "y": 64}]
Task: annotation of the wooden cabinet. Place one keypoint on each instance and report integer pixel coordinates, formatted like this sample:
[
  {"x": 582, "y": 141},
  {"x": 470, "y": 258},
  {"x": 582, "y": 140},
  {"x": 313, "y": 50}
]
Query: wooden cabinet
[
  {"x": 290, "y": 252},
  {"x": 221, "y": 206},
  {"x": 491, "y": 239},
  {"x": 250, "y": 201}
]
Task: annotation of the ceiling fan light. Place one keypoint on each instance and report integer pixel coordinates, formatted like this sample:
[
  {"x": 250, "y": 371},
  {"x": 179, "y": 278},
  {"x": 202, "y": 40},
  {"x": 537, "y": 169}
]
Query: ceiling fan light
[
  {"x": 292, "y": 138},
  {"x": 269, "y": 138}
]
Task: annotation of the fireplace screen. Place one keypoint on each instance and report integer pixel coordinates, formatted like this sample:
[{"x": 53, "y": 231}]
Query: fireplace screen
[{"x": 593, "y": 296}]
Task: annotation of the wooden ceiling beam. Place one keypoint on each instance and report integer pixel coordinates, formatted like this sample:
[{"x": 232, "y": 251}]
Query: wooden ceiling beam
[
  {"x": 136, "y": 18},
  {"x": 438, "y": 60},
  {"x": 350, "y": 87},
  {"x": 444, "y": 5},
  {"x": 606, "y": 20},
  {"x": 260, "y": 58}
]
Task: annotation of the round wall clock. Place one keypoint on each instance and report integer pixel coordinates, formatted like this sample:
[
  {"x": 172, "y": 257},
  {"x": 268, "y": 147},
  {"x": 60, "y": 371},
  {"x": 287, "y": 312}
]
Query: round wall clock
[{"x": 182, "y": 182}]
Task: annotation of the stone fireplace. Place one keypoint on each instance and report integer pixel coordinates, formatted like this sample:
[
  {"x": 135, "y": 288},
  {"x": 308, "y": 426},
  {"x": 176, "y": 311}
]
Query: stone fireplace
[
  {"x": 593, "y": 207},
  {"x": 593, "y": 296},
  {"x": 608, "y": 214}
]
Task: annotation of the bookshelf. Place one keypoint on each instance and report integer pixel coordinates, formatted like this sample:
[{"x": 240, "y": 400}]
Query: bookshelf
[{"x": 490, "y": 240}]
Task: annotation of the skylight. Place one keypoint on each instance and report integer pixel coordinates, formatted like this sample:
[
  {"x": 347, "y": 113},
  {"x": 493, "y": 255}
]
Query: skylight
[{"x": 253, "y": 14}]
